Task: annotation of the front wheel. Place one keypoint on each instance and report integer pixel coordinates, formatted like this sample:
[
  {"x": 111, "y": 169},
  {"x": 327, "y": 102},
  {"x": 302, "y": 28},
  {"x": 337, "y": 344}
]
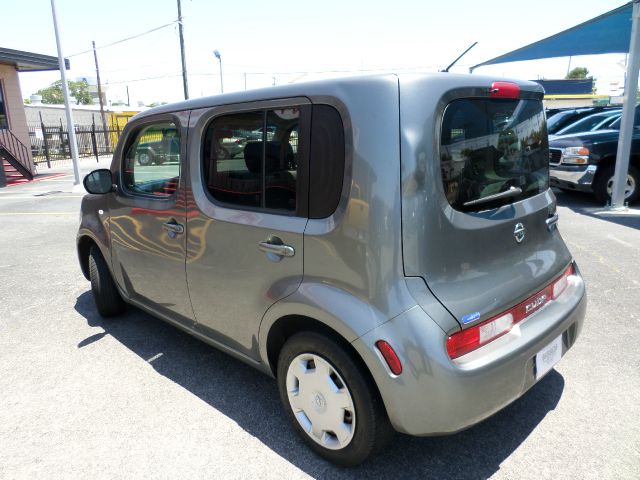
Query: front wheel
[
  {"x": 604, "y": 184},
  {"x": 105, "y": 293},
  {"x": 330, "y": 402}
]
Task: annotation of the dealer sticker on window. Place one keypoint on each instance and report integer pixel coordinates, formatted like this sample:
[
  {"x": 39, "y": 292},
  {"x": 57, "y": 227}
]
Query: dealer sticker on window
[{"x": 548, "y": 357}]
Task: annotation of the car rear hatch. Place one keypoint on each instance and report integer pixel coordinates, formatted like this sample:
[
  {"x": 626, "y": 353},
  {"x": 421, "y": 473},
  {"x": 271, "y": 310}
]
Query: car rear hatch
[{"x": 478, "y": 215}]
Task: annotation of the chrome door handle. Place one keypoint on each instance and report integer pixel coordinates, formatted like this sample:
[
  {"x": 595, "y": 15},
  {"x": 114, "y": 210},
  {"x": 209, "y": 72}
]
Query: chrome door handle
[
  {"x": 173, "y": 227},
  {"x": 269, "y": 246},
  {"x": 552, "y": 222}
]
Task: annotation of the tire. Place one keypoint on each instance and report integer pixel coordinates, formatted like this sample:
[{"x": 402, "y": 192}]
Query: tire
[
  {"x": 602, "y": 187},
  {"x": 222, "y": 153},
  {"x": 105, "y": 293},
  {"x": 145, "y": 158},
  {"x": 339, "y": 397}
]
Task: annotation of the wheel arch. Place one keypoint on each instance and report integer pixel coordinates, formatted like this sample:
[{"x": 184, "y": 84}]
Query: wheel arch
[{"x": 84, "y": 244}]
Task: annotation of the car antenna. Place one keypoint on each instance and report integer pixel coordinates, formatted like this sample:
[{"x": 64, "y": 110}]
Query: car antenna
[{"x": 461, "y": 55}]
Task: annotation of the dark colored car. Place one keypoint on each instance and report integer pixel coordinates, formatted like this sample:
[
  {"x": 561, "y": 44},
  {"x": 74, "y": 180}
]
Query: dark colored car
[
  {"x": 586, "y": 162},
  {"x": 564, "y": 118}
]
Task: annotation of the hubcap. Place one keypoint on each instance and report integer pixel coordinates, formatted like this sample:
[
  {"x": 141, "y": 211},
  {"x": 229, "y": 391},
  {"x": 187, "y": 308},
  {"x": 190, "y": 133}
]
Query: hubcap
[
  {"x": 321, "y": 401},
  {"x": 629, "y": 188}
]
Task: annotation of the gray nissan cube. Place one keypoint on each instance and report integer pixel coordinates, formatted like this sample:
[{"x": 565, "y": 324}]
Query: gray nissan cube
[{"x": 386, "y": 247}]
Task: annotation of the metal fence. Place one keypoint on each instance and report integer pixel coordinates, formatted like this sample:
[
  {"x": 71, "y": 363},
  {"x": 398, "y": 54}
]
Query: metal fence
[{"x": 50, "y": 143}]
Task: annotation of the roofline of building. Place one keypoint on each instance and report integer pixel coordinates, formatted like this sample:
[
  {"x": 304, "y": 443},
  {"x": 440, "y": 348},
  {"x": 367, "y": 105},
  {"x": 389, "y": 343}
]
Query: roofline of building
[{"x": 30, "y": 62}]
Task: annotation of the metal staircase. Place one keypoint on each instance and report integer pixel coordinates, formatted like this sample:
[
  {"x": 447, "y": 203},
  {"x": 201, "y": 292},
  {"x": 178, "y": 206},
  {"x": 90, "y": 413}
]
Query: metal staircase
[{"x": 14, "y": 158}]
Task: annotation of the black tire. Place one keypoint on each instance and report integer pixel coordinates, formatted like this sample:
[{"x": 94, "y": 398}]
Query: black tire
[
  {"x": 604, "y": 177},
  {"x": 222, "y": 153},
  {"x": 146, "y": 157},
  {"x": 105, "y": 293},
  {"x": 372, "y": 427}
]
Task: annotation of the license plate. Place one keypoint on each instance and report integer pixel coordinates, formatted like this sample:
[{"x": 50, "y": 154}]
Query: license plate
[{"x": 548, "y": 357}]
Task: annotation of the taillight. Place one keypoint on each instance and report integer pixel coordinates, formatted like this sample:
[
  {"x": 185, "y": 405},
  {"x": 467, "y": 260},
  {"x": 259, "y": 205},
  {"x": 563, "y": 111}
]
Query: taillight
[
  {"x": 465, "y": 341},
  {"x": 390, "y": 356},
  {"x": 504, "y": 90}
]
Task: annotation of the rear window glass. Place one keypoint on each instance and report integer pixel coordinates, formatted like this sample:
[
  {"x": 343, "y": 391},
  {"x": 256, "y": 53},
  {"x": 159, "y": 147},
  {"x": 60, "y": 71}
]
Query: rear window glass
[{"x": 493, "y": 152}]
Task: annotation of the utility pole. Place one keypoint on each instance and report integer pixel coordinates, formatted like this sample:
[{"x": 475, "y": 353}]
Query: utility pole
[
  {"x": 73, "y": 146},
  {"x": 245, "y": 81},
  {"x": 128, "y": 99},
  {"x": 102, "y": 115},
  {"x": 184, "y": 61}
]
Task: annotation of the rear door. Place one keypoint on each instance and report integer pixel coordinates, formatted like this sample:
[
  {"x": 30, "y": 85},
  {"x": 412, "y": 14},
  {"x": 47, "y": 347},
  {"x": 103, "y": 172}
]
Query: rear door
[
  {"x": 245, "y": 230},
  {"x": 482, "y": 234}
]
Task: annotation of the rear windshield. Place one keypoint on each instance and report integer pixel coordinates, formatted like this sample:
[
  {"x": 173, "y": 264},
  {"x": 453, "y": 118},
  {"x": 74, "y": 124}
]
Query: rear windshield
[{"x": 493, "y": 152}]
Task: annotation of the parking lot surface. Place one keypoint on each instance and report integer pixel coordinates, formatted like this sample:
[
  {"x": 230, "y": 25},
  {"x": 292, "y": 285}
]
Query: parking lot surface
[{"x": 133, "y": 397}]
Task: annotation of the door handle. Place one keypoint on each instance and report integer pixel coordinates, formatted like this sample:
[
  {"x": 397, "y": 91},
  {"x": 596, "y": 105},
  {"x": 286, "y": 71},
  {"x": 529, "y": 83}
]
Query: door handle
[
  {"x": 275, "y": 246},
  {"x": 552, "y": 222},
  {"x": 173, "y": 227}
]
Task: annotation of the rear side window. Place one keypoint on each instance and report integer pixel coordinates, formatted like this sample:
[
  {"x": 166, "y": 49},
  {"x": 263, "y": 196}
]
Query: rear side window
[
  {"x": 326, "y": 169},
  {"x": 251, "y": 159},
  {"x": 493, "y": 152}
]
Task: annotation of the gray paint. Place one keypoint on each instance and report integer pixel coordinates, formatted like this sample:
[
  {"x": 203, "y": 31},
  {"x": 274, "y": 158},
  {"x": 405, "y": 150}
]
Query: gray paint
[{"x": 391, "y": 263}]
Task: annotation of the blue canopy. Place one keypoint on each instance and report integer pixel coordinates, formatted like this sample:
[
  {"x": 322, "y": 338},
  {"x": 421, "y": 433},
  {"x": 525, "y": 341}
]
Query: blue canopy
[{"x": 607, "y": 33}]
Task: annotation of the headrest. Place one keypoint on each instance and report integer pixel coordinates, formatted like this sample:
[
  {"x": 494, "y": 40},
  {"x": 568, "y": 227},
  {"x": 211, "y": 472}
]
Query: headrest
[{"x": 278, "y": 156}]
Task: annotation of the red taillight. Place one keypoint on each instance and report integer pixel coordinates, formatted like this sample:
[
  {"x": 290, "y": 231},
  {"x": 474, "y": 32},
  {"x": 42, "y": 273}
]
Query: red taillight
[
  {"x": 504, "y": 90},
  {"x": 465, "y": 341},
  {"x": 390, "y": 356}
]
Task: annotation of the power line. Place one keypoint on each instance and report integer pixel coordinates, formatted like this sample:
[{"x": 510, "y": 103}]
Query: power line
[
  {"x": 131, "y": 80},
  {"x": 124, "y": 39}
]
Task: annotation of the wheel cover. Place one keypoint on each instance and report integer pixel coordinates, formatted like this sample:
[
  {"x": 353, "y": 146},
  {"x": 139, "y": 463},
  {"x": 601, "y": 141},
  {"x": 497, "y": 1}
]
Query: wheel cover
[
  {"x": 629, "y": 188},
  {"x": 321, "y": 401}
]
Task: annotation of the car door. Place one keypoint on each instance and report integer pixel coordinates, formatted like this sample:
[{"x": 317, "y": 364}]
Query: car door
[
  {"x": 148, "y": 217},
  {"x": 245, "y": 244}
]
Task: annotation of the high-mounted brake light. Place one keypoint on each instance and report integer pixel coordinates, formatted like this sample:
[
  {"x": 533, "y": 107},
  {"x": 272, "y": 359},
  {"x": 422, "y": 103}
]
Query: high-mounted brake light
[
  {"x": 504, "y": 90},
  {"x": 470, "y": 339},
  {"x": 390, "y": 356}
]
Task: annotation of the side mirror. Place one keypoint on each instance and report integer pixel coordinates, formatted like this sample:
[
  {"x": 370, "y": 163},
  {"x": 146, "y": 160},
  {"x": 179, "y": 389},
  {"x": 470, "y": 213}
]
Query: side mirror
[{"x": 99, "y": 182}]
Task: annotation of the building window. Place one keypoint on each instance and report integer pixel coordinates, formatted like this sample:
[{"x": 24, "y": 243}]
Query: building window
[{"x": 4, "y": 119}]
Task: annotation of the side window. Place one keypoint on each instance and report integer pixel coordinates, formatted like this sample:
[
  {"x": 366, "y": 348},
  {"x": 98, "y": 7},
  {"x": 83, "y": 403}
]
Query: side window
[
  {"x": 248, "y": 165},
  {"x": 151, "y": 165},
  {"x": 326, "y": 162}
]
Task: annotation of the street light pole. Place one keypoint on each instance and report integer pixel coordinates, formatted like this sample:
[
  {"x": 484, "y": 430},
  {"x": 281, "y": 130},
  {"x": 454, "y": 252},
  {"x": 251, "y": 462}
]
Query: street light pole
[
  {"x": 219, "y": 57},
  {"x": 184, "y": 61},
  {"x": 73, "y": 146}
]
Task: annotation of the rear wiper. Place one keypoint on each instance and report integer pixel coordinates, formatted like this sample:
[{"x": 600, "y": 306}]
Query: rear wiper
[{"x": 512, "y": 192}]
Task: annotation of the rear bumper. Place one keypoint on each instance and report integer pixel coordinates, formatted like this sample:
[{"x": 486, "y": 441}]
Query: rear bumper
[
  {"x": 435, "y": 395},
  {"x": 572, "y": 177}
]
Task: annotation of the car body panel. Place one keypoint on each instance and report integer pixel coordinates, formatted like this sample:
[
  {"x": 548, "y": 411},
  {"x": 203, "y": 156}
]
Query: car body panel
[
  {"x": 470, "y": 260},
  {"x": 141, "y": 248}
]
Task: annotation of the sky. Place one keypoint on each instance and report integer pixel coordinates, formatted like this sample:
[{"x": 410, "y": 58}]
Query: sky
[{"x": 284, "y": 41}]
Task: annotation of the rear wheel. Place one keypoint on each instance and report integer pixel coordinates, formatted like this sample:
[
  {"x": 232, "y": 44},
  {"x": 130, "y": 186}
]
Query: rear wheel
[
  {"x": 105, "y": 293},
  {"x": 604, "y": 184},
  {"x": 145, "y": 158},
  {"x": 331, "y": 404}
]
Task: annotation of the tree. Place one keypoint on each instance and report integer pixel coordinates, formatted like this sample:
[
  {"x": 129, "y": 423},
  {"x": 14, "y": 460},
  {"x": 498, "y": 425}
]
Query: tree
[
  {"x": 576, "y": 73},
  {"x": 78, "y": 90}
]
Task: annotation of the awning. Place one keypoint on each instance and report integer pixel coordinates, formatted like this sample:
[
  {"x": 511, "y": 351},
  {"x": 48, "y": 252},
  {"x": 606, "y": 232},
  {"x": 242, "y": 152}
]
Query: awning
[
  {"x": 607, "y": 33},
  {"x": 28, "y": 61}
]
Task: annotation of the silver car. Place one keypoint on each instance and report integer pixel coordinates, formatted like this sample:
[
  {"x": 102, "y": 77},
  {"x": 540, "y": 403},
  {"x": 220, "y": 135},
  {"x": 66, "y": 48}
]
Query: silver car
[{"x": 390, "y": 253}]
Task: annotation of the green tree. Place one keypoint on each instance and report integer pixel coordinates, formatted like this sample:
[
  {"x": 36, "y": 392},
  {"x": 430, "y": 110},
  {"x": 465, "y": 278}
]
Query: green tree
[
  {"x": 578, "y": 72},
  {"x": 78, "y": 90}
]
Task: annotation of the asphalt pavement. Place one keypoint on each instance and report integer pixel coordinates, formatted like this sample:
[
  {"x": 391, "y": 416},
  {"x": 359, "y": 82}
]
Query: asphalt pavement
[{"x": 133, "y": 397}]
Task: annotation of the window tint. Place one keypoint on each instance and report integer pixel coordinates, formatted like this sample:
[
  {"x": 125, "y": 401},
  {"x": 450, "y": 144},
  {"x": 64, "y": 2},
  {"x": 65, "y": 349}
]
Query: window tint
[
  {"x": 152, "y": 162},
  {"x": 4, "y": 121},
  {"x": 326, "y": 168},
  {"x": 248, "y": 165},
  {"x": 491, "y": 146}
]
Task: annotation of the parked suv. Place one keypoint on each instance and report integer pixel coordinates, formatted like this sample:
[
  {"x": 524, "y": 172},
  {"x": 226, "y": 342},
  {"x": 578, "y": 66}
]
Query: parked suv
[
  {"x": 586, "y": 161},
  {"x": 388, "y": 252}
]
